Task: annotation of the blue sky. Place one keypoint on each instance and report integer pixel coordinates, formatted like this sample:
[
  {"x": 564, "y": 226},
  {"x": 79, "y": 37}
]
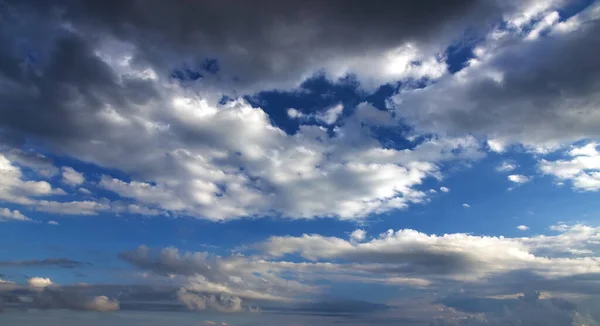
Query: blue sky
[{"x": 301, "y": 163}]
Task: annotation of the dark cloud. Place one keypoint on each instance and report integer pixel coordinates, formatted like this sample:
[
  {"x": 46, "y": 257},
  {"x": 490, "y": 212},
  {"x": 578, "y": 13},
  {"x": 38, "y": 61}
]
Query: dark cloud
[
  {"x": 53, "y": 298},
  {"x": 59, "y": 262},
  {"x": 269, "y": 42},
  {"x": 528, "y": 309}
]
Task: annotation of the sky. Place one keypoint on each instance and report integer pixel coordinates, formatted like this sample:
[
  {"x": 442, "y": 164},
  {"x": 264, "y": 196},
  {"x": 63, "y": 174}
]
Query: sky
[{"x": 198, "y": 162}]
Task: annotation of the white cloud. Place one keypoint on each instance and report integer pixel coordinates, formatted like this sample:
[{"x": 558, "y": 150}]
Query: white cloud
[
  {"x": 72, "y": 177},
  {"x": 444, "y": 189},
  {"x": 582, "y": 169},
  {"x": 358, "y": 235},
  {"x": 294, "y": 114},
  {"x": 53, "y": 223},
  {"x": 15, "y": 189},
  {"x": 522, "y": 227},
  {"x": 496, "y": 145},
  {"x": 39, "y": 282},
  {"x": 519, "y": 178},
  {"x": 466, "y": 205},
  {"x": 331, "y": 115},
  {"x": 506, "y": 167},
  {"x": 14, "y": 215}
]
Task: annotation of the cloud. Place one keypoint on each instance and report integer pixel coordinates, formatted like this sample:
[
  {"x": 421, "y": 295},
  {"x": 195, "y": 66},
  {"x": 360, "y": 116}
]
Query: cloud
[
  {"x": 203, "y": 272},
  {"x": 38, "y": 162},
  {"x": 39, "y": 282},
  {"x": 444, "y": 189},
  {"x": 527, "y": 309},
  {"x": 522, "y": 227},
  {"x": 379, "y": 44},
  {"x": 57, "y": 298},
  {"x": 331, "y": 115},
  {"x": 466, "y": 205},
  {"x": 14, "y": 215},
  {"x": 582, "y": 169},
  {"x": 15, "y": 189},
  {"x": 59, "y": 262},
  {"x": 509, "y": 95},
  {"x": 222, "y": 303},
  {"x": 53, "y": 223},
  {"x": 451, "y": 256},
  {"x": 518, "y": 178},
  {"x": 506, "y": 167},
  {"x": 72, "y": 177},
  {"x": 358, "y": 235}
]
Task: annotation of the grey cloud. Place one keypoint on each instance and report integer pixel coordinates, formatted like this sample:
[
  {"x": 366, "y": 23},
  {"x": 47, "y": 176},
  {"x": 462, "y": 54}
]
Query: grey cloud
[
  {"x": 51, "y": 298},
  {"x": 528, "y": 309},
  {"x": 540, "y": 92},
  {"x": 59, "y": 262},
  {"x": 36, "y": 161},
  {"x": 205, "y": 274},
  {"x": 269, "y": 42}
]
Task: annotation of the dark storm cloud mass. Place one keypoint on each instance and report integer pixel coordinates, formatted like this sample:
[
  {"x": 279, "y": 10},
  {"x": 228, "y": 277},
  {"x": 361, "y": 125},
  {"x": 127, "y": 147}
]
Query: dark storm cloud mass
[{"x": 59, "y": 262}]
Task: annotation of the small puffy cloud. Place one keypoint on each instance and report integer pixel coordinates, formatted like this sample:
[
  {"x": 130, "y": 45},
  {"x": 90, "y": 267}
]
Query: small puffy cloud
[
  {"x": 444, "y": 189},
  {"x": 72, "y": 177},
  {"x": 506, "y": 167},
  {"x": 358, "y": 235},
  {"x": 53, "y": 223},
  {"x": 523, "y": 227},
  {"x": 294, "y": 114},
  {"x": 39, "y": 282},
  {"x": 330, "y": 115},
  {"x": 85, "y": 191},
  {"x": 496, "y": 145},
  {"x": 518, "y": 178},
  {"x": 14, "y": 215},
  {"x": 465, "y": 205}
]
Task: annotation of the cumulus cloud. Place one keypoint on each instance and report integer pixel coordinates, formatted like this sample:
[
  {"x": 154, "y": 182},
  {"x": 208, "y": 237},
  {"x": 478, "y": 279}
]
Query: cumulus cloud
[
  {"x": 358, "y": 235},
  {"x": 518, "y": 178},
  {"x": 509, "y": 94},
  {"x": 39, "y": 282},
  {"x": 444, "y": 189},
  {"x": 331, "y": 115},
  {"x": 72, "y": 177},
  {"x": 53, "y": 223},
  {"x": 506, "y": 167},
  {"x": 582, "y": 168},
  {"x": 14, "y": 215},
  {"x": 522, "y": 227},
  {"x": 466, "y": 205}
]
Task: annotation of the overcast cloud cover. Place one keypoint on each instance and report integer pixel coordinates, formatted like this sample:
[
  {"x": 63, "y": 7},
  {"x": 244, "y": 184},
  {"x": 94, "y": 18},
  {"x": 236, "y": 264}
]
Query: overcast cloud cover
[{"x": 300, "y": 162}]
